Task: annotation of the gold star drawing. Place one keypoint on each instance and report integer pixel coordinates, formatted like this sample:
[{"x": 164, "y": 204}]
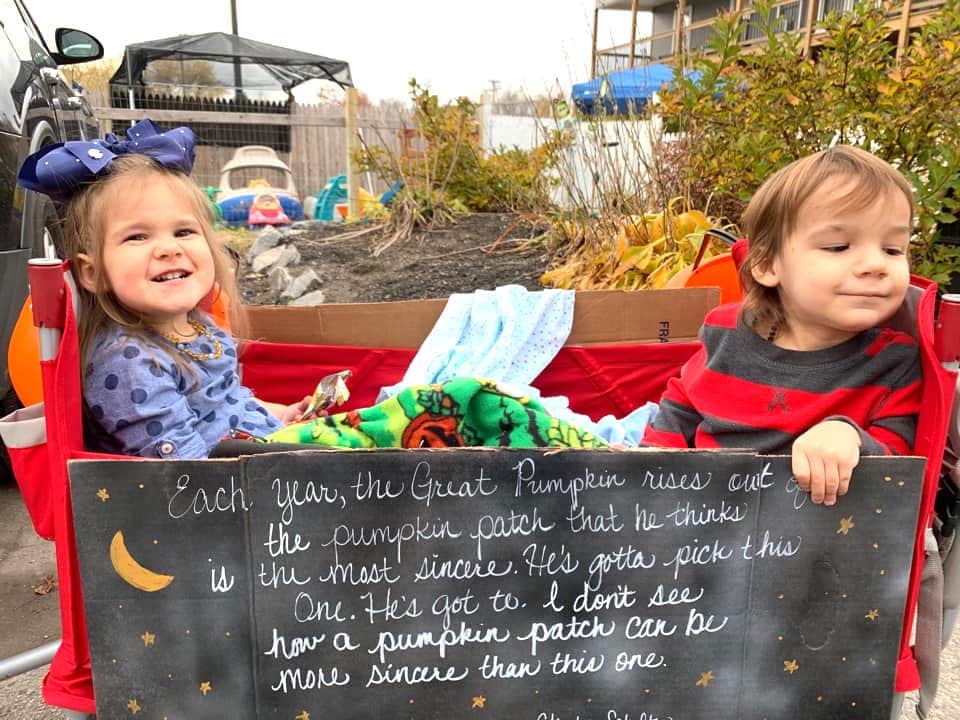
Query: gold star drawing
[
  {"x": 303, "y": 716},
  {"x": 790, "y": 666},
  {"x": 205, "y": 687},
  {"x": 845, "y": 525},
  {"x": 103, "y": 494},
  {"x": 873, "y": 614},
  {"x": 148, "y": 638},
  {"x": 705, "y": 678},
  {"x": 478, "y": 701},
  {"x": 134, "y": 706}
]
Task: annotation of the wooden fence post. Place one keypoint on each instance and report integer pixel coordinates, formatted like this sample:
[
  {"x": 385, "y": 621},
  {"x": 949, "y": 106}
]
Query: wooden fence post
[
  {"x": 483, "y": 117},
  {"x": 809, "y": 22},
  {"x": 903, "y": 36},
  {"x": 353, "y": 174}
]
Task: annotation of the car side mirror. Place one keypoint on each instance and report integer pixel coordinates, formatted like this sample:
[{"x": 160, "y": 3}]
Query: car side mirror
[{"x": 76, "y": 46}]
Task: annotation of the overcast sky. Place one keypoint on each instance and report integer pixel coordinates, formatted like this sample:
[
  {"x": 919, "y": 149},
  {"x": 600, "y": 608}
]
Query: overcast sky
[{"x": 455, "y": 48}]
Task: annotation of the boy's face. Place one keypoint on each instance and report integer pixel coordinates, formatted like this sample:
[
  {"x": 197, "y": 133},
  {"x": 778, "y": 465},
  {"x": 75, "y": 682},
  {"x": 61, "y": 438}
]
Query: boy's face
[{"x": 840, "y": 271}]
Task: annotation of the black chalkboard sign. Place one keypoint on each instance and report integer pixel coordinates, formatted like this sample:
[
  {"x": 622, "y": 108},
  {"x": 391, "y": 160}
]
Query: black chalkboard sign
[{"x": 489, "y": 584}]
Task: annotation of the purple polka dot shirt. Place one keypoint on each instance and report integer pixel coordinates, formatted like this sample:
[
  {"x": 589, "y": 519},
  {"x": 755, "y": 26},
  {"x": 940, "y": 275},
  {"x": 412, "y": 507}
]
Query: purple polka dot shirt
[{"x": 142, "y": 399}]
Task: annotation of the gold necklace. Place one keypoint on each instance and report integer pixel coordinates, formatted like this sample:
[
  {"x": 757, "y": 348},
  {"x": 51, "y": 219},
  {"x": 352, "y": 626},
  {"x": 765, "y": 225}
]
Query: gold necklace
[{"x": 201, "y": 330}]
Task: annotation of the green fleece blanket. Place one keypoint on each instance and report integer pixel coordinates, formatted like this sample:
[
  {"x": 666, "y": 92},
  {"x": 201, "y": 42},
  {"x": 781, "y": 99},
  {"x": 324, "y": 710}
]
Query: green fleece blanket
[{"x": 462, "y": 412}]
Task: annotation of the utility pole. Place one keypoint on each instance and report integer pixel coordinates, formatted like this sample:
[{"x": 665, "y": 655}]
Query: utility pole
[
  {"x": 493, "y": 93},
  {"x": 237, "y": 75}
]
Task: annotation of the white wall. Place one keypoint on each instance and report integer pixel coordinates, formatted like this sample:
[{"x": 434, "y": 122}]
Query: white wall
[
  {"x": 606, "y": 159},
  {"x": 509, "y": 131}
]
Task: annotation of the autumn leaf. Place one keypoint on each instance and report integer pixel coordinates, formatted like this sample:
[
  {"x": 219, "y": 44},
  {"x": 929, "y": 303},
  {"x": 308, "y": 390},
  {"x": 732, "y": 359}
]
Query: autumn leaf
[{"x": 46, "y": 587}]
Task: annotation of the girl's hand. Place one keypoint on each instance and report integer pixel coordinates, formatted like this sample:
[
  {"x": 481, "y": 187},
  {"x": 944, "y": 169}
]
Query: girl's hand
[
  {"x": 297, "y": 412},
  {"x": 824, "y": 458}
]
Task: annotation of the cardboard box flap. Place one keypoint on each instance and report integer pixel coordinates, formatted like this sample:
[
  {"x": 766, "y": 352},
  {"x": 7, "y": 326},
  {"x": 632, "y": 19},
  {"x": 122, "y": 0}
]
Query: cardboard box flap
[{"x": 600, "y": 317}]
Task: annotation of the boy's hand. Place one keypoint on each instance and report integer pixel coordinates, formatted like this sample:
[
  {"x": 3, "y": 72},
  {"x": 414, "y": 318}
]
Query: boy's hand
[{"x": 824, "y": 458}]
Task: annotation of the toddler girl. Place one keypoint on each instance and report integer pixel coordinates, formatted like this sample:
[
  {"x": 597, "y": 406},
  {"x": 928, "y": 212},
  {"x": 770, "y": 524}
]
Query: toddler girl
[
  {"x": 804, "y": 364},
  {"x": 159, "y": 378}
]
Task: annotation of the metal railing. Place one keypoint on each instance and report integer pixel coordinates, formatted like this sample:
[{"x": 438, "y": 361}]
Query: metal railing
[
  {"x": 790, "y": 16},
  {"x": 28, "y": 660}
]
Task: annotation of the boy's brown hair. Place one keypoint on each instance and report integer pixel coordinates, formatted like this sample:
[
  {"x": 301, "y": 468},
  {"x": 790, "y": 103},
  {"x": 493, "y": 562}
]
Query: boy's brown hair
[
  {"x": 84, "y": 231},
  {"x": 774, "y": 211}
]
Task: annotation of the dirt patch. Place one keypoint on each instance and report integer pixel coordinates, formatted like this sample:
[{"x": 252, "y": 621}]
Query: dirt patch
[{"x": 432, "y": 264}]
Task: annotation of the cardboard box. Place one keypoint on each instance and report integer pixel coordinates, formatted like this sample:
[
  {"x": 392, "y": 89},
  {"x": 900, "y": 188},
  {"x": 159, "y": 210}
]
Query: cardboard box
[{"x": 600, "y": 317}]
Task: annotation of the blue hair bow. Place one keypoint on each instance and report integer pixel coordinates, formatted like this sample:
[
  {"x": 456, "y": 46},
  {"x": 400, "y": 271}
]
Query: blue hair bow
[{"x": 62, "y": 169}]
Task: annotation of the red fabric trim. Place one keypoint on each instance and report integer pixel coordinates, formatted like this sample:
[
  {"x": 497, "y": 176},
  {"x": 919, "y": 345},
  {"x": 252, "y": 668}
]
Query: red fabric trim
[
  {"x": 285, "y": 373},
  {"x": 68, "y": 686},
  {"x": 612, "y": 379},
  {"x": 908, "y": 676},
  {"x": 70, "y": 670},
  {"x": 725, "y": 316},
  {"x": 937, "y": 400},
  {"x": 31, "y": 470},
  {"x": 598, "y": 379}
]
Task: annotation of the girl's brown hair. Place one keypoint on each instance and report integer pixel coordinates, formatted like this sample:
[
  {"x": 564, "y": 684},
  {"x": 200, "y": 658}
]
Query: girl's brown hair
[
  {"x": 774, "y": 211},
  {"x": 84, "y": 232}
]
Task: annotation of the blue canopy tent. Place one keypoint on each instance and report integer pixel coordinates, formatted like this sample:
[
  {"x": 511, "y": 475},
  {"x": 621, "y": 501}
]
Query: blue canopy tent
[{"x": 624, "y": 91}]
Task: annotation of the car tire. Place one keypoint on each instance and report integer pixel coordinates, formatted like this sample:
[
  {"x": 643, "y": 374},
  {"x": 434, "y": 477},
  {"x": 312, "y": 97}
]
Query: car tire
[{"x": 43, "y": 227}]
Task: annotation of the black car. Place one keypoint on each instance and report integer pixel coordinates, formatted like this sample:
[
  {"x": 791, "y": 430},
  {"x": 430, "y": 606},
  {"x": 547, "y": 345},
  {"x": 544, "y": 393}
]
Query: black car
[{"x": 37, "y": 108}]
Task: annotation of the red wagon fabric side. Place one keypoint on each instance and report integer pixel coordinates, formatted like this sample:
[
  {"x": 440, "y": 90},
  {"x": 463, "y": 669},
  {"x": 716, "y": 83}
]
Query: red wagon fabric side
[
  {"x": 598, "y": 380},
  {"x": 939, "y": 387}
]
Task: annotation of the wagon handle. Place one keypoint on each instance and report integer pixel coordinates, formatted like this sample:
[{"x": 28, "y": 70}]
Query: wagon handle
[{"x": 714, "y": 232}]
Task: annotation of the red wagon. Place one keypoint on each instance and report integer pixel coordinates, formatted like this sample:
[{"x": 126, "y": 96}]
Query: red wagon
[{"x": 613, "y": 371}]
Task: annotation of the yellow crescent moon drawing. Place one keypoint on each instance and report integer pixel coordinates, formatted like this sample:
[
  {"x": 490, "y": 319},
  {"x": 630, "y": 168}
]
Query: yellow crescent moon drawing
[{"x": 132, "y": 571}]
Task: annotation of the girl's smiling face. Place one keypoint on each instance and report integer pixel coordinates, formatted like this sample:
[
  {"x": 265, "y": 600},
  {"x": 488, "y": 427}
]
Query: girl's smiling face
[
  {"x": 155, "y": 257},
  {"x": 841, "y": 271}
]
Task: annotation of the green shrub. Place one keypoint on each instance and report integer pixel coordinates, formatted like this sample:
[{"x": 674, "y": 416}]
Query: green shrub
[{"x": 451, "y": 173}]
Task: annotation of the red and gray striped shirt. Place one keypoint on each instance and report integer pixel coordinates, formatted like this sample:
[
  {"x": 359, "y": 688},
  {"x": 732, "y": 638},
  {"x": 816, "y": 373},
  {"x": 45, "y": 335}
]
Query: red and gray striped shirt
[{"x": 741, "y": 391}]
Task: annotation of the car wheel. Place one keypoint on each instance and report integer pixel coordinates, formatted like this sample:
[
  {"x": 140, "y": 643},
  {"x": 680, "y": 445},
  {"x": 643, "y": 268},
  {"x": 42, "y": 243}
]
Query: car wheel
[{"x": 45, "y": 228}]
